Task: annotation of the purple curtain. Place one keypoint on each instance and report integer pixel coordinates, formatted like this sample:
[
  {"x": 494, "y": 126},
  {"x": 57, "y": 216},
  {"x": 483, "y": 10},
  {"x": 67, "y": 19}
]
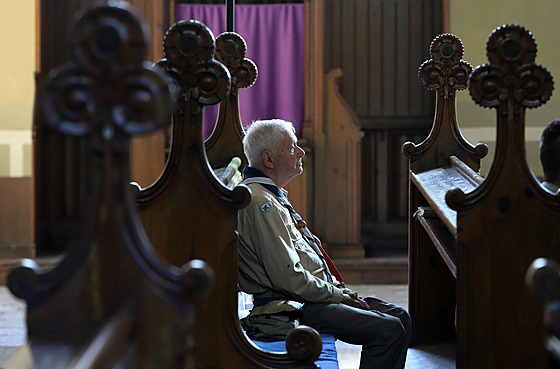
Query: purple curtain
[{"x": 274, "y": 35}]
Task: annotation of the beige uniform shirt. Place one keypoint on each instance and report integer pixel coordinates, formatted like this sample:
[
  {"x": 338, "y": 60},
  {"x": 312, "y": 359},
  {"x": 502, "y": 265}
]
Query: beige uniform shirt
[{"x": 274, "y": 255}]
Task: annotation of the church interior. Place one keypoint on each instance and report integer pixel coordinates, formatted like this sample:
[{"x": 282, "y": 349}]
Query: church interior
[{"x": 120, "y": 138}]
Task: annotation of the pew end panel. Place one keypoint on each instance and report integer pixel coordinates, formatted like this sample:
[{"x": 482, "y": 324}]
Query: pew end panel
[
  {"x": 110, "y": 301},
  {"x": 445, "y": 73},
  {"x": 492, "y": 260},
  {"x": 485, "y": 231},
  {"x": 337, "y": 162},
  {"x": 435, "y": 164},
  {"x": 189, "y": 211},
  {"x": 509, "y": 220}
]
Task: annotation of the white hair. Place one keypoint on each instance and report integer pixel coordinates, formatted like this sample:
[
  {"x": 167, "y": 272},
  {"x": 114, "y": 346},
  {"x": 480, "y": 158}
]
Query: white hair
[{"x": 265, "y": 135}]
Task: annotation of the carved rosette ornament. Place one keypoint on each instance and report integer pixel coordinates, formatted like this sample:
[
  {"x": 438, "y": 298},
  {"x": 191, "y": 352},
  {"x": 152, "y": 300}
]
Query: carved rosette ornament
[
  {"x": 510, "y": 83},
  {"x": 108, "y": 86},
  {"x": 189, "y": 49},
  {"x": 444, "y": 73},
  {"x": 231, "y": 50},
  {"x": 512, "y": 80}
]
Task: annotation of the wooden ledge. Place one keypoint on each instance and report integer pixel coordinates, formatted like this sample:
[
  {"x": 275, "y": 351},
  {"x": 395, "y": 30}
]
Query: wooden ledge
[{"x": 435, "y": 183}]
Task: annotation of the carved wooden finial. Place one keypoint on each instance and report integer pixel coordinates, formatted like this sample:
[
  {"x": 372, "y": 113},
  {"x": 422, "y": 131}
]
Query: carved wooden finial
[
  {"x": 445, "y": 73},
  {"x": 231, "y": 50},
  {"x": 189, "y": 49},
  {"x": 108, "y": 91},
  {"x": 510, "y": 83},
  {"x": 227, "y": 135}
]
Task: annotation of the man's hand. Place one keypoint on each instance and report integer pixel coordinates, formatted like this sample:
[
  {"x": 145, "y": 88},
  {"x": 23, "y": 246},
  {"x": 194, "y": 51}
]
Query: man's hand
[{"x": 351, "y": 298}]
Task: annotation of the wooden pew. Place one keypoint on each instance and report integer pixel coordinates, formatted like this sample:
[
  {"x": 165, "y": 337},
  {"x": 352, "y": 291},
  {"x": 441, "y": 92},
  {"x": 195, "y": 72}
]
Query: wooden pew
[
  {"x": 433, "y": 310},
  {"x": 189, "y": 212},
  {"x": 472, "y": 239},
  {"x": 111, "y": 301}
]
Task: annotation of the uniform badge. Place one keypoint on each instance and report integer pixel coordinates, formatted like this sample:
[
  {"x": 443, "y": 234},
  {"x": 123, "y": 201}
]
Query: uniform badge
[{"x": 265, "y": 207}]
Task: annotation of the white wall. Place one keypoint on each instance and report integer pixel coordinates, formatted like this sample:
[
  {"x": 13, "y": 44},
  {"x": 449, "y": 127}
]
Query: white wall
[{"x": 17, "y": 58}]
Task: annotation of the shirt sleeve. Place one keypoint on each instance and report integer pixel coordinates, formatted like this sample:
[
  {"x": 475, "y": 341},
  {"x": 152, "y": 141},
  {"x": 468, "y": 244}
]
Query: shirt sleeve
[{"x": 291, "y": 264}]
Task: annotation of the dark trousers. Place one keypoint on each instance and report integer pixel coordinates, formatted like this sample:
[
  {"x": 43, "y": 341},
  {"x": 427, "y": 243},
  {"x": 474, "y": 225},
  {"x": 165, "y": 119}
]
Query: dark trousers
[{"x": 383, "y": 331}]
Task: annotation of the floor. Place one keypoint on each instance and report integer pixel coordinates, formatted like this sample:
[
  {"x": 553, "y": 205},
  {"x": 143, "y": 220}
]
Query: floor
[
  {"x": 428, "y": 357},
  {"x": 12, "y": 325},
  {"x": 13, "y": 332}
]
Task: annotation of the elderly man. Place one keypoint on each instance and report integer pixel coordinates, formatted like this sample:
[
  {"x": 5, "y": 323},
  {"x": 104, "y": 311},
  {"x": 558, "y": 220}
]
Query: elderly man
[{"x": 285, "y": 268}]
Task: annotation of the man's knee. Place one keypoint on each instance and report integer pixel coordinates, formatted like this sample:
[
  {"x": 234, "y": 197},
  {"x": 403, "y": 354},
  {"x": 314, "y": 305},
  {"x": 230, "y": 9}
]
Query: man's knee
[
  {"x": 392, "y": 332},
  {"x": 406, "y": 321},
  {"x": 397, "y": 331}
]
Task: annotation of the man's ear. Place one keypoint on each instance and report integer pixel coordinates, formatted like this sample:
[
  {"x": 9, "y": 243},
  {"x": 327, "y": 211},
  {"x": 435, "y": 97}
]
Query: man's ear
[{"x": 268, "y": 159}]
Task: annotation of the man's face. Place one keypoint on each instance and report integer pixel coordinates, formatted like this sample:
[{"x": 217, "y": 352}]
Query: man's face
[{"x": 289, "y": 158}]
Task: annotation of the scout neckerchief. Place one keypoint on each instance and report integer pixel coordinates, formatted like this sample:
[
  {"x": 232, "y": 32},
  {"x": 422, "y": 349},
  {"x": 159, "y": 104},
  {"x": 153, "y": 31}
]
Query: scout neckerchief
[{"x": 252, "y": 175}]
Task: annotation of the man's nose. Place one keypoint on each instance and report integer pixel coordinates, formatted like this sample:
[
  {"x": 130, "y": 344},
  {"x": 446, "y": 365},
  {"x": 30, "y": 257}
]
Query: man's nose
[{"x": 301, "y": 151}]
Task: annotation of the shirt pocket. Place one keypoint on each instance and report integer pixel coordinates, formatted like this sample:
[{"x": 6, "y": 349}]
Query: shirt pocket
[{"x": 308, "y": 257}]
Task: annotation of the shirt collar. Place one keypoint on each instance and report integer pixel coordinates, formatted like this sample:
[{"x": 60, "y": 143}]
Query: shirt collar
[{"x": 253, "y": 175}]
